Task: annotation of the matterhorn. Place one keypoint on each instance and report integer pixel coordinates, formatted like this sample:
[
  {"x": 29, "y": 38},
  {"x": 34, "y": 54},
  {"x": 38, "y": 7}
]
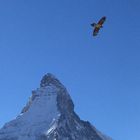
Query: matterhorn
[{"x": 49, "y": 115}]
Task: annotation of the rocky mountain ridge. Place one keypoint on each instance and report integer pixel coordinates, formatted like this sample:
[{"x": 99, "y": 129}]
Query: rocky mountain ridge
[{"x": 49, "y": 115}]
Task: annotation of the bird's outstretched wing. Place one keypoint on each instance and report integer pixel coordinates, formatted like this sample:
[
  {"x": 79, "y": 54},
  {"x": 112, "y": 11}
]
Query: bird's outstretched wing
[
  {"x": 95, "y": 31},
  {"x": 102, "y": 20}
]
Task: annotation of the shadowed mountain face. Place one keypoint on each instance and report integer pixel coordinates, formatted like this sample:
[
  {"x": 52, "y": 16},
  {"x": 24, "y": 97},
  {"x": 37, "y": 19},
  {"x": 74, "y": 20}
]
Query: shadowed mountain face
[{"x": 49, "y": 115}]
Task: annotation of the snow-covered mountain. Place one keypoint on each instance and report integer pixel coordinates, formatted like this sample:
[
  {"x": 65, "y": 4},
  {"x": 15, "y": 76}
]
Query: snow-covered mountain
[{"x": 49, "y": 115}]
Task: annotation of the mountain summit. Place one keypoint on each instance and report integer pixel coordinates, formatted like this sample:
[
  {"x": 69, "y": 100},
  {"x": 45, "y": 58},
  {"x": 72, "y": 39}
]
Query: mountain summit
[{"x": 49, "y": 115}]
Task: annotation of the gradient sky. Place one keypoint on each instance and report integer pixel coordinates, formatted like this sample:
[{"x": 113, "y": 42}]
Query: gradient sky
[{"x": 102, "y": 74}]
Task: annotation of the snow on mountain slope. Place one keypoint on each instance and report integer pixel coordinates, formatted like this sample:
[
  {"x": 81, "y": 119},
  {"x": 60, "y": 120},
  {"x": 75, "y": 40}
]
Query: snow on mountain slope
[{"x": 49, "y": 115}]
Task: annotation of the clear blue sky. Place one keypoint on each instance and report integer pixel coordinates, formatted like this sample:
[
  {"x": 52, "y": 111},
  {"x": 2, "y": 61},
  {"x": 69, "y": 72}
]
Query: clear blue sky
[{"x": 102, "y": 74}]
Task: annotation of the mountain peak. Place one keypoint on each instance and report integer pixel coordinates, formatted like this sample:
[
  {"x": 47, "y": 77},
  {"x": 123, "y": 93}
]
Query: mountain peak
[
  {"x": 49, "y": 115},
  {"x": 49, "y": 79}
]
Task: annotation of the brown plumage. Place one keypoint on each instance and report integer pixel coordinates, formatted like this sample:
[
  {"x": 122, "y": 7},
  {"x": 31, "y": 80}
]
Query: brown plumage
[{"x": 98, "y": 26}]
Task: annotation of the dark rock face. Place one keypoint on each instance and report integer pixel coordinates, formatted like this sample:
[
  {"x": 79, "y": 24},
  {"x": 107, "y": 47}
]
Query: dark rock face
[
  {"x": 67, "y": 126},
  {"x": 50, "y": 79},
  {"x": 68, "y": 130}
]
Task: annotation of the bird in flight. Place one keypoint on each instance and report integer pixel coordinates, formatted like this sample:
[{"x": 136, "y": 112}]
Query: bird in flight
[{"x": 98, "y": 26}]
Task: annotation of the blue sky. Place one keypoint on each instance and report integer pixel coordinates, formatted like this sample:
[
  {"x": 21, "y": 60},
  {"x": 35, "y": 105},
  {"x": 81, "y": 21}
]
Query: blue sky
[{"x": 102, "y": 74}]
